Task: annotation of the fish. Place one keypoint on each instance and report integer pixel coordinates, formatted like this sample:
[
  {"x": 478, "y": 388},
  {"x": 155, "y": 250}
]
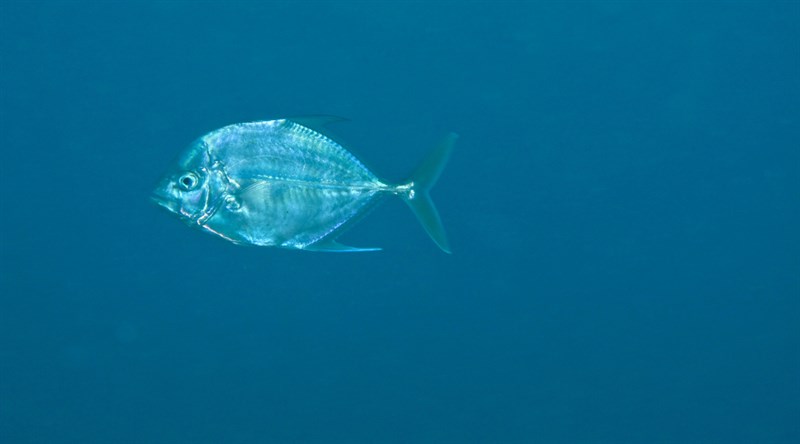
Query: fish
[{"x": 284, "y": 183}]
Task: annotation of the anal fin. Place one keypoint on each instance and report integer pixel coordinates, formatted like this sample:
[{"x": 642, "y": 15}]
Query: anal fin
[{"x": 331, "y": 246}]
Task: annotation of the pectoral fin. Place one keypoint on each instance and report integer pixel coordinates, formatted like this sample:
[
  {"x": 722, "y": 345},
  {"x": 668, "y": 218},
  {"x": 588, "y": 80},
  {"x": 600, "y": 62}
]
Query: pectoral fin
[{"x": 332, "y": 246}]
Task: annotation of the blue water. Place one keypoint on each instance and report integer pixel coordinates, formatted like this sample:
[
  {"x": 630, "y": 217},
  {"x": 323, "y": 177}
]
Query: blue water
[{"x": 622, "y": 204}]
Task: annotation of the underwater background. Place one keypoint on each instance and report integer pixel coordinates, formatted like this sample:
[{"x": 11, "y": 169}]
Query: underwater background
[{"x": 623, "y": 206}]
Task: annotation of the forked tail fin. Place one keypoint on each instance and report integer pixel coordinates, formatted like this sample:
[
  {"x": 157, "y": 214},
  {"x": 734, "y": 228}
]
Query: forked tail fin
[{"x": 416, "y": 191}]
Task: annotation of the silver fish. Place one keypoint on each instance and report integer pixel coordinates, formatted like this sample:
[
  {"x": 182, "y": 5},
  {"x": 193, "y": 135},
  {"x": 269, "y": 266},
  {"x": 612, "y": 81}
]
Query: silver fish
[{"x": 283, "y": 183}]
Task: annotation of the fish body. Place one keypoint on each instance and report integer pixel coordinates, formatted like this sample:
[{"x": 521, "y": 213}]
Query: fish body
[{"x": 283, "y": 183}]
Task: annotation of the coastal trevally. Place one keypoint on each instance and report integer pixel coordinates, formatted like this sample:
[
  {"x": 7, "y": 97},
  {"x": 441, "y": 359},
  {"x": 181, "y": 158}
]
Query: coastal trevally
[{"x": 283, "y": 183}]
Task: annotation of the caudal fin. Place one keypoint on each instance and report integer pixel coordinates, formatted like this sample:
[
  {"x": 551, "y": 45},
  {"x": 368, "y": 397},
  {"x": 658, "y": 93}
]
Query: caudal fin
[{"x": 416, "y": 191}]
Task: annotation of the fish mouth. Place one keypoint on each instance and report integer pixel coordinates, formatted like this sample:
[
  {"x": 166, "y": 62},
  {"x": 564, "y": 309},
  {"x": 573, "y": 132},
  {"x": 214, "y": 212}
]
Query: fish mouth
[
  {"x": 163, "y": 202},
  {"x": 155, "y": 198},
  {"x": 172, "y": 206}
]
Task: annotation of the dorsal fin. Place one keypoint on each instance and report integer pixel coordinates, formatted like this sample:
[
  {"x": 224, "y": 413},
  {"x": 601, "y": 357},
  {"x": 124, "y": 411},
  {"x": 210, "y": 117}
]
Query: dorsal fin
[{"x": 317, "y": 123}]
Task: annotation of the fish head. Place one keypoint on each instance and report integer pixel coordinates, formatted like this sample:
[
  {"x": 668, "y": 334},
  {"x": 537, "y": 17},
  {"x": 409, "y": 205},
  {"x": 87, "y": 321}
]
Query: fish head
[{"x": 189, "y": 188}]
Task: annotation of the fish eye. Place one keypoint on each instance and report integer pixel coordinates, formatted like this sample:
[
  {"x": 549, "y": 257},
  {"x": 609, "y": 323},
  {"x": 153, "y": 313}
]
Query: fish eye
[{"x": 189, "y": 181}]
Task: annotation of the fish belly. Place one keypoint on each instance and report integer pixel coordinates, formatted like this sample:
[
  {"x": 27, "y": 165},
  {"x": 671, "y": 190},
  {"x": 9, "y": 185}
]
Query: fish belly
[{"x": 290, "y": 214}]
